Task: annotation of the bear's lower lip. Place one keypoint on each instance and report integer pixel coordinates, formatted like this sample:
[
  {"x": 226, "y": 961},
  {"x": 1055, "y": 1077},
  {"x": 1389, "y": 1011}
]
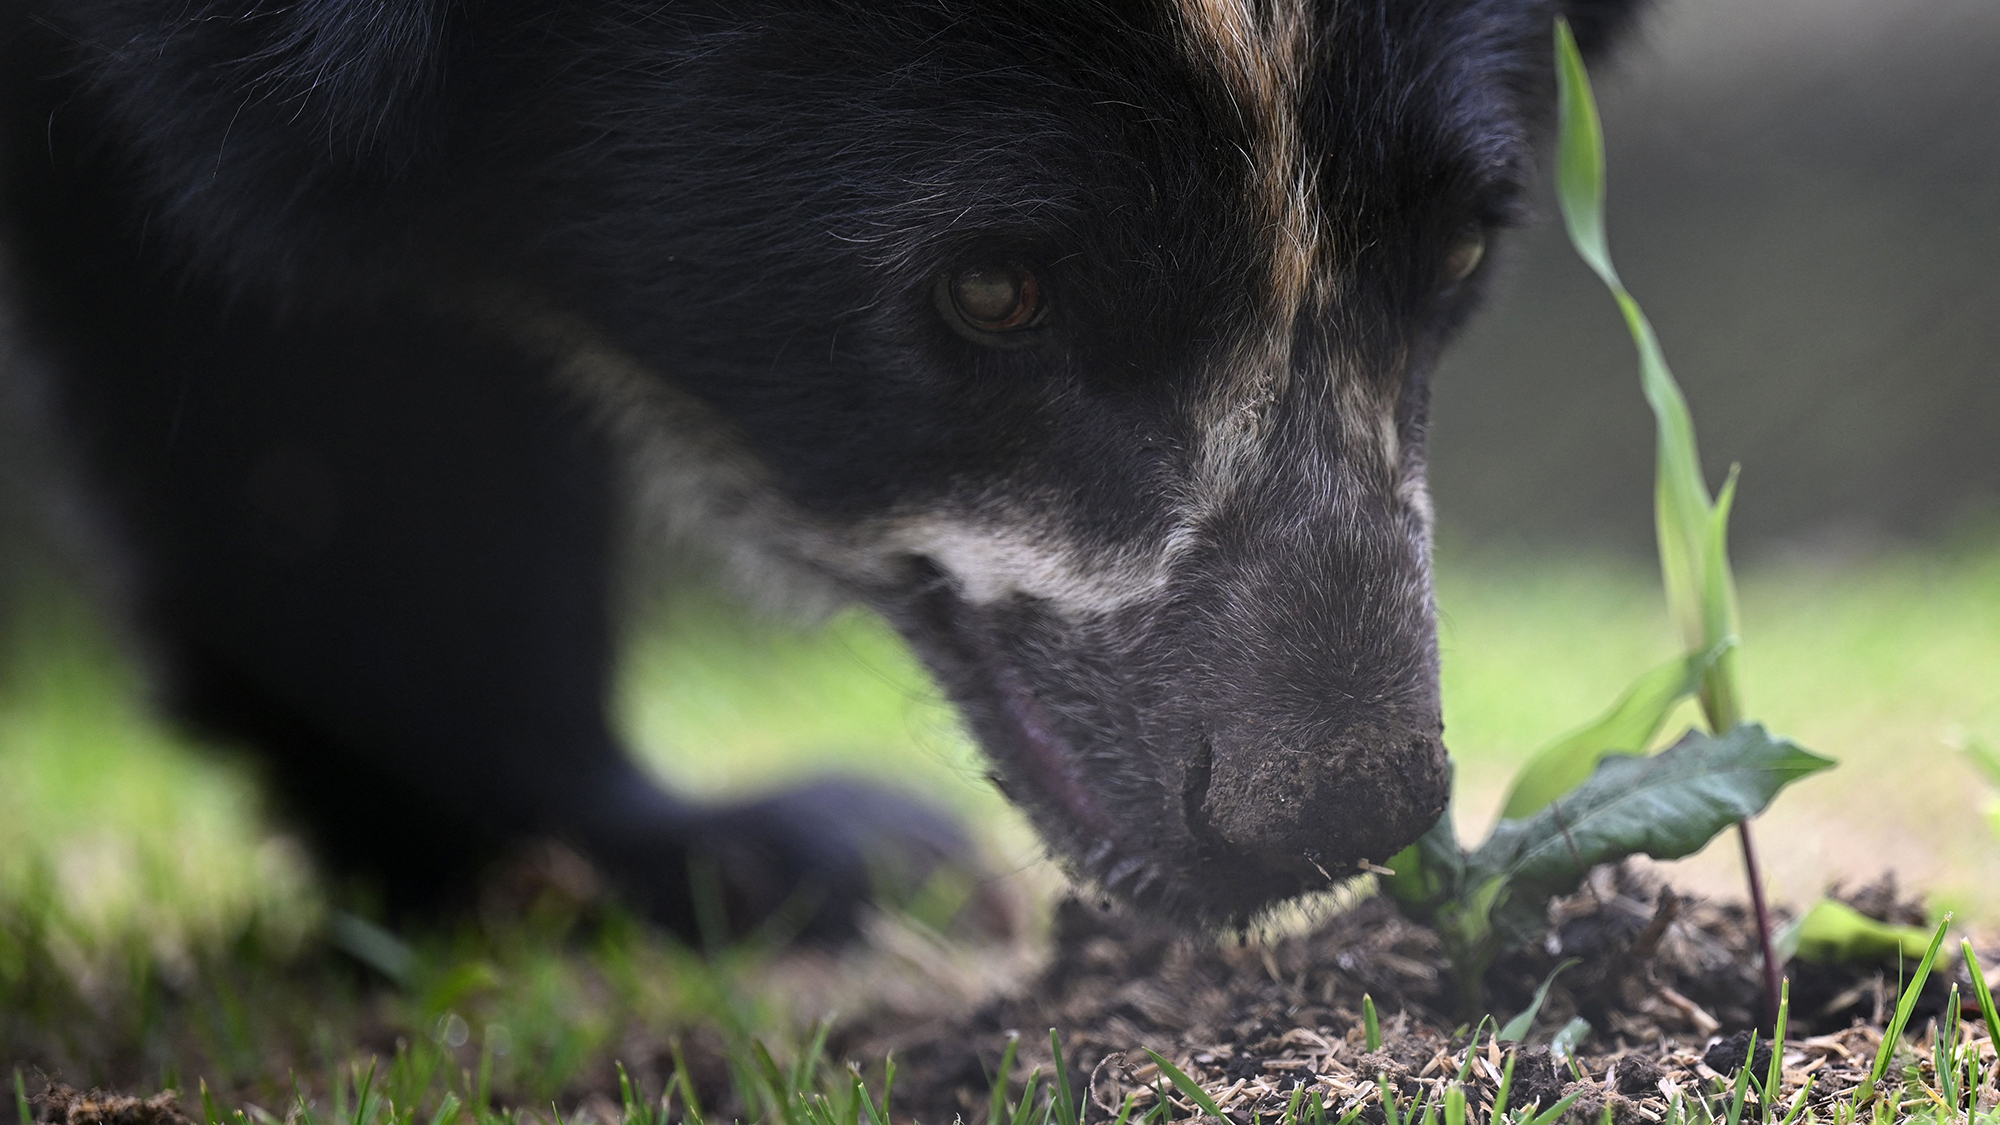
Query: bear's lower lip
[
  {"x": 1014, "y": 727},
  {"x": 1044, "y": 755}
]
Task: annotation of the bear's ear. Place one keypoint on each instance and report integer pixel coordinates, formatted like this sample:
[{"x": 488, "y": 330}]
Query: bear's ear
[{"x": 1600, "y": 25}]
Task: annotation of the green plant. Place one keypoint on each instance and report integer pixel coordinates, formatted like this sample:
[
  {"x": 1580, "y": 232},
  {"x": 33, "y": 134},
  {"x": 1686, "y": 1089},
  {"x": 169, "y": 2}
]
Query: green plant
[{"x": 1582, "y": 800}]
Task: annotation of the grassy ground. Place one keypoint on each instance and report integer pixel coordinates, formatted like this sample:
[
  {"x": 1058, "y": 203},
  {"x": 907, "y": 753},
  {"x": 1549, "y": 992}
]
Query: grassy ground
[{"x": 151, "y": 923}]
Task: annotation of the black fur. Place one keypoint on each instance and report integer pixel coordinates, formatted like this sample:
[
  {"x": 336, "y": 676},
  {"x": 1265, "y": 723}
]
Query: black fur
[{"x": 310, "y": 280}]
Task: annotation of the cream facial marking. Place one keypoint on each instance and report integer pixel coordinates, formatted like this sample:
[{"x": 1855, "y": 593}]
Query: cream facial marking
[
  {"x": 1262, "y": 57},
  {"x": 1262, "y": 53}
]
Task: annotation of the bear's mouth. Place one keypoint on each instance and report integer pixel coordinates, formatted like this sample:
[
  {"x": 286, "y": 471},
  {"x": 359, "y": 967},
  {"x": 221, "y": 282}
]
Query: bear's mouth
[
  {"x": 1038, "y": 765},
  {"x": 1048, "y": 760},
  {"x": 1065, "y": 784}
]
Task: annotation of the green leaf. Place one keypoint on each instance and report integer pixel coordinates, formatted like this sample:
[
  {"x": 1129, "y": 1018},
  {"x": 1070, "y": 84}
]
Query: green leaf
[
  {"x": 1629, "y": 727},
  {"x": 1692, "y": 530},
  {"x": 1835, "y": 932},
  {"x": 1580, "y": 157},
  {"x": 1517, "y": 1028},
  {"x": 1722, "y": 697},
  {"x": 1666, "y": 806}
]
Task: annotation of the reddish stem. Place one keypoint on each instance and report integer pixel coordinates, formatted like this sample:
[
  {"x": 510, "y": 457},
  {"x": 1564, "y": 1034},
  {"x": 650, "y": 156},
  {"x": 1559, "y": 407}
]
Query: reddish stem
[{"x": 1772, "y": 970}]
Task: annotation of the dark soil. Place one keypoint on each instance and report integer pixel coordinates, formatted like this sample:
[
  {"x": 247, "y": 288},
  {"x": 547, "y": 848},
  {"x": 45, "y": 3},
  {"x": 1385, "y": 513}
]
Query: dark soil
[{"x": 1666, "y": 982}]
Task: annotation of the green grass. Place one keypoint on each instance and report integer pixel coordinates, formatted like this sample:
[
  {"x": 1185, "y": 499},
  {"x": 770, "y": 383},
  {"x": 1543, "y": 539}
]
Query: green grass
[
  {"x": 151, "y": 922},
  {"x": 421, "y": 1083}
]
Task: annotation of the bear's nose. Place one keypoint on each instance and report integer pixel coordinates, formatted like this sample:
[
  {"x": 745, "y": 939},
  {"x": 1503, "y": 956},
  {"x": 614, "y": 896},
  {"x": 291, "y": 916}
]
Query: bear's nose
[{"x": 1362, "y": 794}]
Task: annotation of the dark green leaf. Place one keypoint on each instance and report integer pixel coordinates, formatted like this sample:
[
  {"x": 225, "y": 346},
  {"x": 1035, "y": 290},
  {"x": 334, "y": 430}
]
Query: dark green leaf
[{"x": 1666, "y": 806}]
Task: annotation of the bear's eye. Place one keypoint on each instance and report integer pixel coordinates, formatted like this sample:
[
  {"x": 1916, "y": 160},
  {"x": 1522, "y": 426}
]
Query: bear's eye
[
  {"x": 992, "y": 304},
  {"x": 1465, "y": 255}
]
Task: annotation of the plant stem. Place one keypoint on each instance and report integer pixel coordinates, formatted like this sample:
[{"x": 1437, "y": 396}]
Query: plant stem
[
  {"x": 1772, "y": 971},
  {"x": 1722, "y": 708}
]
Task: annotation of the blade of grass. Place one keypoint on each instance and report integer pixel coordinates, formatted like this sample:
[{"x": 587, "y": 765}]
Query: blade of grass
[
  {"x": 447, "y": 1110},
  {"x": 1023, "y": 1111},
  {"x": 784, "y": 1096},
  {"x": 1799, "y": 1101},
  {"x": 1905, "y": 1005},
  {"x": 681, "y": 1075},
  {"x": 1944, "y": 1054},
  {"x": 1429, "y": 1105},
  {"x": 1371, "y": 1024},
  {"x": 1767, "y": 1099},
  {"x": 365, "y": 1098},
  {"x": 28, "y": 1114},
  {"x": 868, "y": 1106},
  {"x": 888, "y": 1084},
  {"x": 806, "y": 1067},
  {"x": 1552, "y": 1114},
  {"x": 1187, "y": 1085},
  {"x": 1506, "y": 1088},
  {"x": 1063, "y": 1104},
  {"x": 1472, "y": 1049},
  {"x": 998, "y": 1111},
  {"x": 1740, "y": 1092},
  {"x": 1980, "y": 989}
]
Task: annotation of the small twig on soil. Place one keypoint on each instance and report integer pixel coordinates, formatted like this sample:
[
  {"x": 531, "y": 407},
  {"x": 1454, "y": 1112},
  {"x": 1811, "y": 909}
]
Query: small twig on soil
[{"x": 1664, "y": 912}]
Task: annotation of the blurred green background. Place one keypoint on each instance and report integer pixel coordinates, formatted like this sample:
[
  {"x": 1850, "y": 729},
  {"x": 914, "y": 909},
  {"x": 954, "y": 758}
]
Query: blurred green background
[{"x": 1887, "y": 665}]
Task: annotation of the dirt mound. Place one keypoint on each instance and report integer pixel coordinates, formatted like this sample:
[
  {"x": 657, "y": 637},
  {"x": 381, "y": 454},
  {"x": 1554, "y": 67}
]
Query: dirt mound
[{"x": 1659, "y": 977}]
